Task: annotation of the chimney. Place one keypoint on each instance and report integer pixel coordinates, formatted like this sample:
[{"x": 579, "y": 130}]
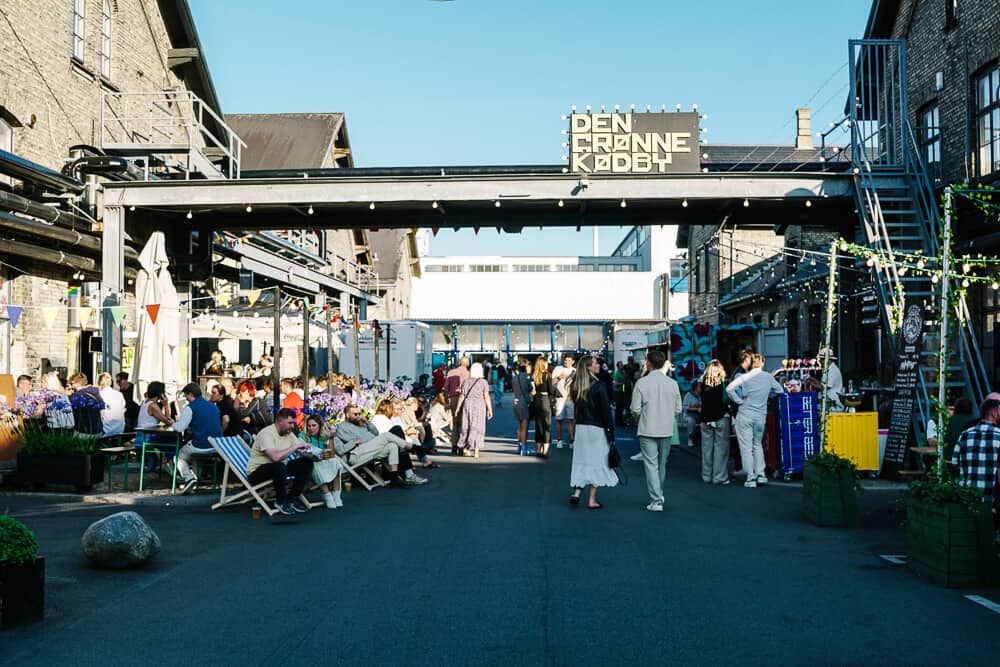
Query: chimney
[{"x": 803, "y": 134}]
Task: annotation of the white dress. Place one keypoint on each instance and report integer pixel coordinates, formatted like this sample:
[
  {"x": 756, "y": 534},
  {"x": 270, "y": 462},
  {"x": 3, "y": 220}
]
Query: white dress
[{"x": 590, "y": 458}]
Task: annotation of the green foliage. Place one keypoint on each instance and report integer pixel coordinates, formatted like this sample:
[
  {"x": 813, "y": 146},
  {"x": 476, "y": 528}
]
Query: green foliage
[
  {"x": 944, "y": 492},
  {"x": 17, "y": 544},
  {"x": 57, "y": 441},
  {"x": 831, "y": 462}
]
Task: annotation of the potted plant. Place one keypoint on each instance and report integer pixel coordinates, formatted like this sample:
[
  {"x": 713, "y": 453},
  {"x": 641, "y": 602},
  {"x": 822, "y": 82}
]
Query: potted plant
[
  {"x": 949, "y": 534},
  {"x": 59, "y": 456},
  {"x": 829, "y": 490},
  {"x": 22, "y": 575}
]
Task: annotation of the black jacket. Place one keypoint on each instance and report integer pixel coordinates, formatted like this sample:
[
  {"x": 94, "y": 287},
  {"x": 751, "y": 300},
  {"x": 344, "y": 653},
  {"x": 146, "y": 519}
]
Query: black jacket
[{"x": 596, "y": 410}]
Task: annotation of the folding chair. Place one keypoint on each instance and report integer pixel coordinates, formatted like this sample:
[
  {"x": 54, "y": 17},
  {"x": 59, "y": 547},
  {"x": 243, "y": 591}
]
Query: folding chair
[
  {"x": 366, "y": 467},
  {"x": 236, "y": 455}
]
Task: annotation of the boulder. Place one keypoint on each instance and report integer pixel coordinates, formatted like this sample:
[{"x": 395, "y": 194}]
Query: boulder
[{"x": 120, "y": 541}]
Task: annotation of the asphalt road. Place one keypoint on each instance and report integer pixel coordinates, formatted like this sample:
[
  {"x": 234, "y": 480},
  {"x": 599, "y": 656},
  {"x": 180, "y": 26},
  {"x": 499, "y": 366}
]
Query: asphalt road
[{"x": 489, "y": 565}]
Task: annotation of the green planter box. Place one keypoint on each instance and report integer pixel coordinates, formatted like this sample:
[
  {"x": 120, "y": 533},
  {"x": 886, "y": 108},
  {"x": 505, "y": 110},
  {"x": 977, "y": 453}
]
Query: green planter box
[
  {"x": 950, "y": 544},
  {"x": 829, "y": 498}
]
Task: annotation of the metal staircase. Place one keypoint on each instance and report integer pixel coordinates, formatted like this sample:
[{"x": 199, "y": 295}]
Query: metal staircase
[{"x": 898, "y": 212}]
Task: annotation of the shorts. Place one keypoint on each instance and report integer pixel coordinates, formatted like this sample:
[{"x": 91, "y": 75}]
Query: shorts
[{"x": 564, "y": 409}]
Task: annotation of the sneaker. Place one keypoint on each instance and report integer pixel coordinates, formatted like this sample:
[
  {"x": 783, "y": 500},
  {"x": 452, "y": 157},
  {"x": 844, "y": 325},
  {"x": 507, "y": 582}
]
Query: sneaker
[
  {"x": 723, "y": 483},
  {"x": 762, "y": 480},
  {"x": 750, "y": 484},
  {"x": 417, "y": 479},
  {"x": 655, "y": 507},
  {"x": 636, "y": 457},
  {"x": 285, "y": 509},
  {"x": 297, "y": 506},
  {"x": 189, "y": 485},
  {"x": 398, "y": 483},
  {"x": 559, "y": 444},
  {"x": 330, "y": 501}
]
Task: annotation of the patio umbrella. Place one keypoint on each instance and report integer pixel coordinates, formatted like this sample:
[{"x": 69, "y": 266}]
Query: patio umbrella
[{"x": 158, "y": 342}]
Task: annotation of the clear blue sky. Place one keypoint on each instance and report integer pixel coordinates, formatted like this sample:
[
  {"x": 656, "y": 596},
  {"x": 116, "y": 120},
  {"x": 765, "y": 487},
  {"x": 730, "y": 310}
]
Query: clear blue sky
[{"x": 484, "y": 82}]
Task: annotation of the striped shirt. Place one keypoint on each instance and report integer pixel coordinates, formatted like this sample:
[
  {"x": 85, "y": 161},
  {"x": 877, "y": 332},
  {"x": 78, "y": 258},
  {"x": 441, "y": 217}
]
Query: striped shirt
[{"x": 975, "y": 454}]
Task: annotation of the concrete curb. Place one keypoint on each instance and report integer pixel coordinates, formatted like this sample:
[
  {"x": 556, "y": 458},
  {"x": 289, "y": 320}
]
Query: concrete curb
[{"x": 153, "y": 498}]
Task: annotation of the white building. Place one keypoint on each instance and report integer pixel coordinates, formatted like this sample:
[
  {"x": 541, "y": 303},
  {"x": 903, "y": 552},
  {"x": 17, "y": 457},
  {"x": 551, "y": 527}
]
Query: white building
[{"x": 629, "y": 284}]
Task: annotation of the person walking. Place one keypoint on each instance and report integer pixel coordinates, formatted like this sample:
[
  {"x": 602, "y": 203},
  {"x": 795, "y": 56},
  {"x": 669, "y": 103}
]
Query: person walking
[
  {"x": 453, "y": 392},
  {"x": 656, "y": 406},
  {"x": 475, "y": 407},
  {"x": 522, "y": 387},
  {"x": 541, "y": 405},
  {"x": 715, "y": 425},
  {"x": 595, "y": 433},
  {"x": 620, "y": 382},
  {"x": 751, "y": 391},
  {"x": 562, "y": 377}
]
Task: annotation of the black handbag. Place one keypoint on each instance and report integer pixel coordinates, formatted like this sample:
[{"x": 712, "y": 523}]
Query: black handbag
[{"x": 614, "y": 458}]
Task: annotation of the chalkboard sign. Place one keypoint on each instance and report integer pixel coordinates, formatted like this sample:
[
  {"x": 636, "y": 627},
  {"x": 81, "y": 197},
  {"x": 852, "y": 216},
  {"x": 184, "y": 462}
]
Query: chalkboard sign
[{"x": 901, "y": 434}]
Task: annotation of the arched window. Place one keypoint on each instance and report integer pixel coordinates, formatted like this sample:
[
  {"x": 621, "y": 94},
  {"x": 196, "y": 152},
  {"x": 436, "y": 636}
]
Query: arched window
[
  {"x": 79, "y": 28},
  {"x": 106, "y": 25}
]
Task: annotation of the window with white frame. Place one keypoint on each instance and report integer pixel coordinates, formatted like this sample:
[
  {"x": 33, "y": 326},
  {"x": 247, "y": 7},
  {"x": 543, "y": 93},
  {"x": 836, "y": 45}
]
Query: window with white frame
[
  {"x": 106, "y": 26},
  {"x": 988, "y": 122},
  {"x": 930, "y": 140},
  {"x": 6, "y": 144},
  {"x": 79, "y": 28}
]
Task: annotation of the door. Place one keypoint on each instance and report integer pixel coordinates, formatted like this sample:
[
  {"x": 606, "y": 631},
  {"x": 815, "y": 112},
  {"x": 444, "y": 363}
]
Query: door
[{"x": 773, "y": 344}]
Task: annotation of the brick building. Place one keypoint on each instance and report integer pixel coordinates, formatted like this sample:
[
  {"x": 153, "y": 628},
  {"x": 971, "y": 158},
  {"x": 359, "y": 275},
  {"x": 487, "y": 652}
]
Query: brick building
[
  {"x": 953, "y": 95},
  {"x": 57, "y": 60}
]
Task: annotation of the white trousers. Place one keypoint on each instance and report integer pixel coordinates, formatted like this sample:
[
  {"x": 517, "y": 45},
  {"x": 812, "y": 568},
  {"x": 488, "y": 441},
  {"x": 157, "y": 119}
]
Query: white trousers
[{"x": 750, "y": 434}]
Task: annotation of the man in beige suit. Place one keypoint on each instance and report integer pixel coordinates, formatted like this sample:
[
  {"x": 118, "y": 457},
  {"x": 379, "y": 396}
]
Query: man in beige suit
[{"x": 656, "y": 406}]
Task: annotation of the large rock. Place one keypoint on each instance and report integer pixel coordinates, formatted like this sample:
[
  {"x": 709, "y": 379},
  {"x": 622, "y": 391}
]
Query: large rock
[{"x": 120, "y": 541}]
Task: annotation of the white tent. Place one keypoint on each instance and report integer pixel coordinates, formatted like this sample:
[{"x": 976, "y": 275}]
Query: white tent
[{"x": 158, "y": 344}]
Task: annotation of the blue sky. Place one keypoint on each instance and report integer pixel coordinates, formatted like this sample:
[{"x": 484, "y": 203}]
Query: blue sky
[{"x": 483, "y": 82}]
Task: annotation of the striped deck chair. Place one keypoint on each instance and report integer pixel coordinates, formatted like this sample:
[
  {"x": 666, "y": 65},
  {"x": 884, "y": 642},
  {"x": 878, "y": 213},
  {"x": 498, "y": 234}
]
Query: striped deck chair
[
  {"x": 236, "y": 455},
  {"x": 370, "y": 467}
]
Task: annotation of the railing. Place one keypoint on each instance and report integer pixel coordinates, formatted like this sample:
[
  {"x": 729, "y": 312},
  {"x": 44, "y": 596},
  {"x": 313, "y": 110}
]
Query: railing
[
  {"x": 930, "y": 219},
  {"x": 166, "y": 122}
]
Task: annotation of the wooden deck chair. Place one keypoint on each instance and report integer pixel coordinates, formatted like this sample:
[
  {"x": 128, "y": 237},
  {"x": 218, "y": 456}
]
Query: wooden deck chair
[
  {"x": 236, "y": 455},
  {"x": 368, "y": 467}
]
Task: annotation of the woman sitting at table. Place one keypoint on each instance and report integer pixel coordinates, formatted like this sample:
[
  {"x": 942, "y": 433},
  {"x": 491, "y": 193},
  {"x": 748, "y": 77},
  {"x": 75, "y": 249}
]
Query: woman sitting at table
[
  {"x": 254, "y": 411},
  {"x": 154, "y": 413},
  {"x": 58, "y": 410},
  {"x": 327, "y": 468}
]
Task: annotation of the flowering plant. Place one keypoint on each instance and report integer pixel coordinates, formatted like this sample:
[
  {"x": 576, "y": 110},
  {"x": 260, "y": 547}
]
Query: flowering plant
[
  {"x": 34, "y": 403},
  {"x": 329, "y": 407}
]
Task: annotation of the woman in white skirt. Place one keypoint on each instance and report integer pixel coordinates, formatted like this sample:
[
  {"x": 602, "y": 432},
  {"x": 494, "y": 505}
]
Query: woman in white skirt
[
  {"x": 327, "y": 468},
  {"x": 595, "y": 431}
]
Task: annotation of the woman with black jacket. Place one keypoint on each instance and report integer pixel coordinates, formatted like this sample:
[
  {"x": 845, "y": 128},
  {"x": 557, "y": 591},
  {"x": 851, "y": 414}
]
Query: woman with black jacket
[
  {"x": 543, "y": 396},
  {"x": 595, "y": 433}
]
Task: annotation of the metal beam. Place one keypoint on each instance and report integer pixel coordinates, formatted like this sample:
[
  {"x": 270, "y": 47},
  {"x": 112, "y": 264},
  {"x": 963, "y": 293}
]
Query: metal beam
[{"x": 112, "y": 284}]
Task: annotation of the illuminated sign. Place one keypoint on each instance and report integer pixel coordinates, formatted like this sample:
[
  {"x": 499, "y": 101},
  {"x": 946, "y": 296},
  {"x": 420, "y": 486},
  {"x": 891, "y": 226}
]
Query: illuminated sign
[{"x": 634, "y": 143}]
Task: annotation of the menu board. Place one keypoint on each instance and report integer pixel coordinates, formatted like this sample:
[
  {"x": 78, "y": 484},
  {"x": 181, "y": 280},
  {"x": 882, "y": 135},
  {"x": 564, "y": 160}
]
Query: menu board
[{"x": 901, "y": 434}]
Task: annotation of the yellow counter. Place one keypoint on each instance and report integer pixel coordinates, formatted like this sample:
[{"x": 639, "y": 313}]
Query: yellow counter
[{"x": 854, "y": 435}]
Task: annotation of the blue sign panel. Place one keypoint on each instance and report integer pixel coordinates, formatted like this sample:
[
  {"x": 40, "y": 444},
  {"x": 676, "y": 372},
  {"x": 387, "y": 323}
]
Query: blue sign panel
[{"x": 799, "y": 429}]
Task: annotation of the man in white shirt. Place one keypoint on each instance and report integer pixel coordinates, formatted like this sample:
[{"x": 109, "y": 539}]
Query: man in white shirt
[
  {"x": 656, "y": 405},
  {"x": 561, "y": 378},
  {"x": 833, "y": 380},
  {"x": 113, "y": 414},
  {"x": 750, "y": 391}
]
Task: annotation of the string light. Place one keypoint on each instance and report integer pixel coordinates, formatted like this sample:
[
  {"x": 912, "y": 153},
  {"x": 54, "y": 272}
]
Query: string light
[
  {"x": 189, "y": 215},
  {"x": 249, "y": 208},
  {"x": 310, "y": 210},
  {"x": 623, "y": 204},
  {"x": 371, "y": 207}
]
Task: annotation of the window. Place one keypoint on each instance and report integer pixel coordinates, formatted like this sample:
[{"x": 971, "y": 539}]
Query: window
[
  {"x": 929, "y": 134},
  {"x": 950, "y": 13},
  {"x": 679, "y": 274},
  {"x": 79, "y": 28},
  {"x": 106, "y": 39},
  {"x": 988, "y": 122},
  {"x": 6, "y": 144},
  {"x": 541, "y": 337},
  {"x": 443, "y": 268},
  {"x": 485, "y": 268}
]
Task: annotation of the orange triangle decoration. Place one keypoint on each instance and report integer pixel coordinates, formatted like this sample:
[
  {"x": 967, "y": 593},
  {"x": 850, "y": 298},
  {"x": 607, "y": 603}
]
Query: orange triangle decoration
[
  {"x": 252, "y": 297},
  {"x": 49, "y": 313},
  {"x": 153, "y": 309}
]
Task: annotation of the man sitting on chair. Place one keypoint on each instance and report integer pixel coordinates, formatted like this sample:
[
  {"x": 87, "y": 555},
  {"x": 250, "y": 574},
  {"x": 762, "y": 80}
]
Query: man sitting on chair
[
  {"x": 201, "y": 418},
  {"x": 271, "y": 459},
  {"x": 359, "y": 442}
]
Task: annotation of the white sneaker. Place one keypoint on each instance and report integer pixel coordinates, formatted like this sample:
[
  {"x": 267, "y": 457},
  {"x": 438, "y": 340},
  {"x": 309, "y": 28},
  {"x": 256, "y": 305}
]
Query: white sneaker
[
  {"x": 189, "y": 485},
  {"x": 750, "y": 484},
  {"x": 331, "y": 502},
  {"x": 636, "y": 457},
  {"x": 654, "y": 507},
  {"x": 559, "y": 444},
  {"x": 762, "y": 480}
]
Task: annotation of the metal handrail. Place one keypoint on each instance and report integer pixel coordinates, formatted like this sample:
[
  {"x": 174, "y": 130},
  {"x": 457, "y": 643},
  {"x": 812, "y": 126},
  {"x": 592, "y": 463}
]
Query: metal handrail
[{"x": 930, "y": 218}]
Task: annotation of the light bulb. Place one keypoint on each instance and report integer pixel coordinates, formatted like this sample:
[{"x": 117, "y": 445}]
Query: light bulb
[
  {"x": 561, "y": 204},
  {"x": 746, "y": 203},
  {"x": 256, "y": 314},
  {"x": 434, "y": 204},
  {"x": 684, "y": 203},
  {"x": 310, "y": 210},
  {"x": 965, "y": 282},
  {"x": 935, "y": 278},
  {"x": 871, "y": 261},
  {"x": 189, "y": 215},
  {"x": 236, "y": 313},
  {"x": 920, "y": 263},
  {"x": 843, "y": 246},
  {"x": 249, "y": 208},
  {"x": 965, "y": 268},
  {"x": 902, "y": 271},
  {"x": 371, "y": 207},
  {"x": 497, "y": 203},
  {"x": 808, "y": 203},
  {"x": 623, "y": 204},
  {"x": 995, "y": 285}
]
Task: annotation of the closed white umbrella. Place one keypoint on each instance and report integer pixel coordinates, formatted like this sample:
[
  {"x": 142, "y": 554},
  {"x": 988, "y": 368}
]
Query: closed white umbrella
[{"x": 157, "y": 344}]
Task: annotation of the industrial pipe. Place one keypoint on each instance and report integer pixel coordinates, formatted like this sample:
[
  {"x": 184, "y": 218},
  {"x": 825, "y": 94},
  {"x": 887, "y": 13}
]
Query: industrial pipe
[
  {"x": 75, "y": 262},
  {"x": 26, "y": 170},
  {"x": 19, "y": 204}
]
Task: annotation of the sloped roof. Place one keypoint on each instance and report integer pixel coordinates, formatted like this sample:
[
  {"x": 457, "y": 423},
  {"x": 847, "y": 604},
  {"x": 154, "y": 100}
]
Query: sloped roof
[
  {"x": 387, "y": 246},
  {"x": 287, "y": 140},
  {"x": 757, "y": 282}
]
